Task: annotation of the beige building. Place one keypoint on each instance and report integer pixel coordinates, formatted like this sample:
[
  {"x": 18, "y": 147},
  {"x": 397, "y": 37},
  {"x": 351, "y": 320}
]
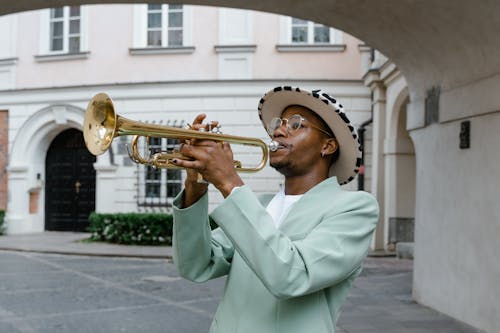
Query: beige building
[{"x": 160, "y": 64}]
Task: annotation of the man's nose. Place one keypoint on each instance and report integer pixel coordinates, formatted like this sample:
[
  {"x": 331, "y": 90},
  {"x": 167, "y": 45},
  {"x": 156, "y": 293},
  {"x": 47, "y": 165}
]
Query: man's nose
[{"x": 281, "y": 130}]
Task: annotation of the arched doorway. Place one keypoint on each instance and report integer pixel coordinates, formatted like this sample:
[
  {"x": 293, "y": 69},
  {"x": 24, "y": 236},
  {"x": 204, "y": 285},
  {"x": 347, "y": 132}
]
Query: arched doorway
[
  {"x": 400, "y": 180},
  {"x": 70, "y": 183}
]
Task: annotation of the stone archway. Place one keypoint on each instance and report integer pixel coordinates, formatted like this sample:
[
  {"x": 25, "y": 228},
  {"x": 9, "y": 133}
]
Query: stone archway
[
  {"x": 400, "y": 181},
  {"x": 26, "y": 168}
]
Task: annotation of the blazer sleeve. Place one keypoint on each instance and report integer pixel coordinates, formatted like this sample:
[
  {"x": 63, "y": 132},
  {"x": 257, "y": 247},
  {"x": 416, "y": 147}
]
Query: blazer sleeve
[
  {"x": 327, "y": 255},
  {"x": 199, "y": 253}
]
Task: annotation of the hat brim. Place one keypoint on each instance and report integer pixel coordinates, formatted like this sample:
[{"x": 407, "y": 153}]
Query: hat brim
[{"x": 274, "y": 102}]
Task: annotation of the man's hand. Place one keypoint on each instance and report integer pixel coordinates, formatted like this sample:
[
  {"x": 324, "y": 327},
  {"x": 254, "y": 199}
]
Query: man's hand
[{"x": 212, "y": 160}]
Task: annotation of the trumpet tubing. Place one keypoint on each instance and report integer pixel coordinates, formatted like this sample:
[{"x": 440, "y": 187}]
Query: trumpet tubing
[{"x": 102, "y": 124}]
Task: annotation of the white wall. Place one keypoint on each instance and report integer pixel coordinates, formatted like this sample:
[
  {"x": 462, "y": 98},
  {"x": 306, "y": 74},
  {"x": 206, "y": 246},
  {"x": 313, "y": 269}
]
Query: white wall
[
  {"x": 458, "y": 216},
  {"x": 457, "y": 257},
  {"x": 8, "y": 54}
]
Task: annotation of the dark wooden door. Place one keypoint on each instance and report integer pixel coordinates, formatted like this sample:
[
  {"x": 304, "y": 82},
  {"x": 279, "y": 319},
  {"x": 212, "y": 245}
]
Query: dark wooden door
[{"x": 70, "y": 183}]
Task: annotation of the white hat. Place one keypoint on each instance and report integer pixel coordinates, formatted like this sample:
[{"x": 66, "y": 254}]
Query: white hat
[{"x": 274, "y": 102}]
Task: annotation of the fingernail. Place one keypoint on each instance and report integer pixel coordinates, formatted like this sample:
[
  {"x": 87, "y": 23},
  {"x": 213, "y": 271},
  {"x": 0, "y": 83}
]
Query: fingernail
[{"x": 174, "y": 161}]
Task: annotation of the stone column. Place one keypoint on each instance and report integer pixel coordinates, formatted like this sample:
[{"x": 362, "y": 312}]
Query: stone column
[{"x": 372, "y": 80}]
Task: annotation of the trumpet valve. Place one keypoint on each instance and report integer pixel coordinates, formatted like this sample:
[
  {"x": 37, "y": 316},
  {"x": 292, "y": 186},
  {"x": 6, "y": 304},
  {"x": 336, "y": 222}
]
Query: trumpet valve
[{"x": 164, "y": 159}]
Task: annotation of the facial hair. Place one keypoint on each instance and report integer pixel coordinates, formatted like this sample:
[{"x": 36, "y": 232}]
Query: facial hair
[{"x": 282, "y": 167}]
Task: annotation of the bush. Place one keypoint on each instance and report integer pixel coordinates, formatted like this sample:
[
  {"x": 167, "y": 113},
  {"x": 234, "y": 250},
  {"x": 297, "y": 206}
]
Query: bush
[
  {"x": 2, "y": 227},
  {"x": 132, "y": 228}
]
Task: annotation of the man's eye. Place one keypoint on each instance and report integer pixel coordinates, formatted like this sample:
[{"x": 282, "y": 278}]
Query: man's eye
[{"x": 295, "y": 126}]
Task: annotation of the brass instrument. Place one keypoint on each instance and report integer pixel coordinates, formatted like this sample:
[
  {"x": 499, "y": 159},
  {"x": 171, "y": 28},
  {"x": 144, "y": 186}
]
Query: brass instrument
[{"x": 102, "y": 125}]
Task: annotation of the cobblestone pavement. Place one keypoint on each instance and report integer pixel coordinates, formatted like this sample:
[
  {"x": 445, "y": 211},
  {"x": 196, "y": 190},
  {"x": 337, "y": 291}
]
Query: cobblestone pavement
[
  {"x": 380, "y": 301},
  {"x": 49, "y": 293}
]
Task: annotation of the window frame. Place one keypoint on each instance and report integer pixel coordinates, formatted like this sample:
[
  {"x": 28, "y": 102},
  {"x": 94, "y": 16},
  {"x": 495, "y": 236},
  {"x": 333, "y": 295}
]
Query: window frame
[
  {"x": 335, "y": 44},
  {"x": 310, "y": 26},
  {"x": 45, "y": 48},
  {"x": 140, "y": 32}
]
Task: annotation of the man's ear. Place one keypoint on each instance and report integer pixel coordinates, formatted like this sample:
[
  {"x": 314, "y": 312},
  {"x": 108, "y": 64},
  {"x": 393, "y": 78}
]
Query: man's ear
[{"x": 330, "y": 147}]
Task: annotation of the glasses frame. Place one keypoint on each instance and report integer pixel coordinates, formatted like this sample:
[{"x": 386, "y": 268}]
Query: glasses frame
[{"x": 292, "y": 130}]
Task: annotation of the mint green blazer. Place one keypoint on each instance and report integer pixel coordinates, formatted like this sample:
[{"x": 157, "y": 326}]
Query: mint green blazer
[{"x": 290, "y": 279}]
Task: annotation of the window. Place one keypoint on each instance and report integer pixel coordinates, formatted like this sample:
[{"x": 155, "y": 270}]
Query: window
[
  {"x": 165, "y": 25},
  {"x": 161, "y": 28},
  {"x": 63, "y": 33},
  {"x": 309, "y": 32},
  {"x": 65, "y": 29},
  {"x": 158, "y": 186},
  {"x": 301, "y": 35}
]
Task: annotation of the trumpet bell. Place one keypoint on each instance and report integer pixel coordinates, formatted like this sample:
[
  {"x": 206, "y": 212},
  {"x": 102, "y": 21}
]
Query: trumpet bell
[{"x": 99, "y": 125}]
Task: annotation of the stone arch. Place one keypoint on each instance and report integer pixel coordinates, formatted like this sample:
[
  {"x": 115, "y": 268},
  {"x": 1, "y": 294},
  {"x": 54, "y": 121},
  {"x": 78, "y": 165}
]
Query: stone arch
[
  {"x": 400, "y": 102},
  {"x": 27, "y": 164},
  {"x": 400, "y": 178},
  {"x": 38, "y": 131}
]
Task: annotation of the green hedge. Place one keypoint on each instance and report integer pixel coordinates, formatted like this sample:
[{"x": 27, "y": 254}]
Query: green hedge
[
  {"x": 132, "y": 228},
  {"x": 2, "y": 227}
]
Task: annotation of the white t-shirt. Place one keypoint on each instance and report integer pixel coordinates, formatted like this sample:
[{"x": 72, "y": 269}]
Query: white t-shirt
[{"x": 280, "y": 205}]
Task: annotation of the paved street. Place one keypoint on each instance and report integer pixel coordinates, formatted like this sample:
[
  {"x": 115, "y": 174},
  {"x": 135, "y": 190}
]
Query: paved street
[
  {"x": 60, "y": 293},
  {"x": 380, "y": 302},
  {"x": 65, "y": 293}
]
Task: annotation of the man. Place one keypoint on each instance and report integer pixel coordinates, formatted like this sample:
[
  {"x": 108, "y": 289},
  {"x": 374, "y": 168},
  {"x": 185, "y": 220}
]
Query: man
[{"x": 290, "y": 258}]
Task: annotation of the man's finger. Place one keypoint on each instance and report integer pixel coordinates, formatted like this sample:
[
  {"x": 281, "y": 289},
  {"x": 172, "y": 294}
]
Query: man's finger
[
  {"x": 195, "y": 165},
  {"x": 198, "y": 150},
  {"x": 199, "y": 119}
]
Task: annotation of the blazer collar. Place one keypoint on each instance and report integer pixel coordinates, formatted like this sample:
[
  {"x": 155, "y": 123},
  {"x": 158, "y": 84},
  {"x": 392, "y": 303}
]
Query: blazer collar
[{"x": 321, "y": 192}]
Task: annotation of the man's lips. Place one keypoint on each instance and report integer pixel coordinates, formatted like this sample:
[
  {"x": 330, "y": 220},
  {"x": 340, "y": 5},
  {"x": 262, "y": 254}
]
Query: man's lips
[{"x": 281, "y": 145}]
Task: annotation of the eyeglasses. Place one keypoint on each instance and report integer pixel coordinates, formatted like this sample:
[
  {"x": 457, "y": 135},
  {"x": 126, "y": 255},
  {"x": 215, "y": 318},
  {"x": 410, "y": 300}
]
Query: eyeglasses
[{"x": 293, "y": 124}]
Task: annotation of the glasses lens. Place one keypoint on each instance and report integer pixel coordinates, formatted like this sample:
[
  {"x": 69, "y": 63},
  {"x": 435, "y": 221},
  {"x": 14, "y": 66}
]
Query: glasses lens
[
  {"x": 273, "y": 125},
  {"x": 294, "y": 123}
]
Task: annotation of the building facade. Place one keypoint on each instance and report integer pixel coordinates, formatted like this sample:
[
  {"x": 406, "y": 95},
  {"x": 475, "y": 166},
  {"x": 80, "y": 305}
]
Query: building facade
[{"x": 161, "y": 64}]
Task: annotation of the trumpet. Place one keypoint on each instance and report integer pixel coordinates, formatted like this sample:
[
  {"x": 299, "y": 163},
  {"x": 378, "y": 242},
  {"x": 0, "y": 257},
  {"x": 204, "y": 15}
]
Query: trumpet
[{"x": 101, "y": 125}]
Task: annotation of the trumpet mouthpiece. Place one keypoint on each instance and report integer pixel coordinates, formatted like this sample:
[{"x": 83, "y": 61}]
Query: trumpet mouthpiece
[{"x": 273, "y": 146}]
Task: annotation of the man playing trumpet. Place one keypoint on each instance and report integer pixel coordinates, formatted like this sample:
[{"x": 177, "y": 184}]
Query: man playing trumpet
[{"x": 291, "y": 257}]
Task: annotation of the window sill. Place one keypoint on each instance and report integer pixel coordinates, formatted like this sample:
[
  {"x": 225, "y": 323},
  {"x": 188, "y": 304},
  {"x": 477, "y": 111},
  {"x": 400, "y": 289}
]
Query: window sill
[
  {"x": 235, "y": 48},
  {"x": 62, "y": 56},
  {"x": 310, "y": 47},
  {"x": 8, "y": 61},
  {"x": 162, "y": 50}
]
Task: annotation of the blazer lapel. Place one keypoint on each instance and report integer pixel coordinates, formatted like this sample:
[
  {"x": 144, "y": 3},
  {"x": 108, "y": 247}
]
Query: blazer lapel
[
  {"x": 265, "y": 199},
  {"x": 304, "y": 214}
]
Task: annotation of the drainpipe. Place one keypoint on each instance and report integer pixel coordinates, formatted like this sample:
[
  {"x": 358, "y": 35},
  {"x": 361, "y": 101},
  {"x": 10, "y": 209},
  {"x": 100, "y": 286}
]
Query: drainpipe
[{"x": 361, "y": 134}]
